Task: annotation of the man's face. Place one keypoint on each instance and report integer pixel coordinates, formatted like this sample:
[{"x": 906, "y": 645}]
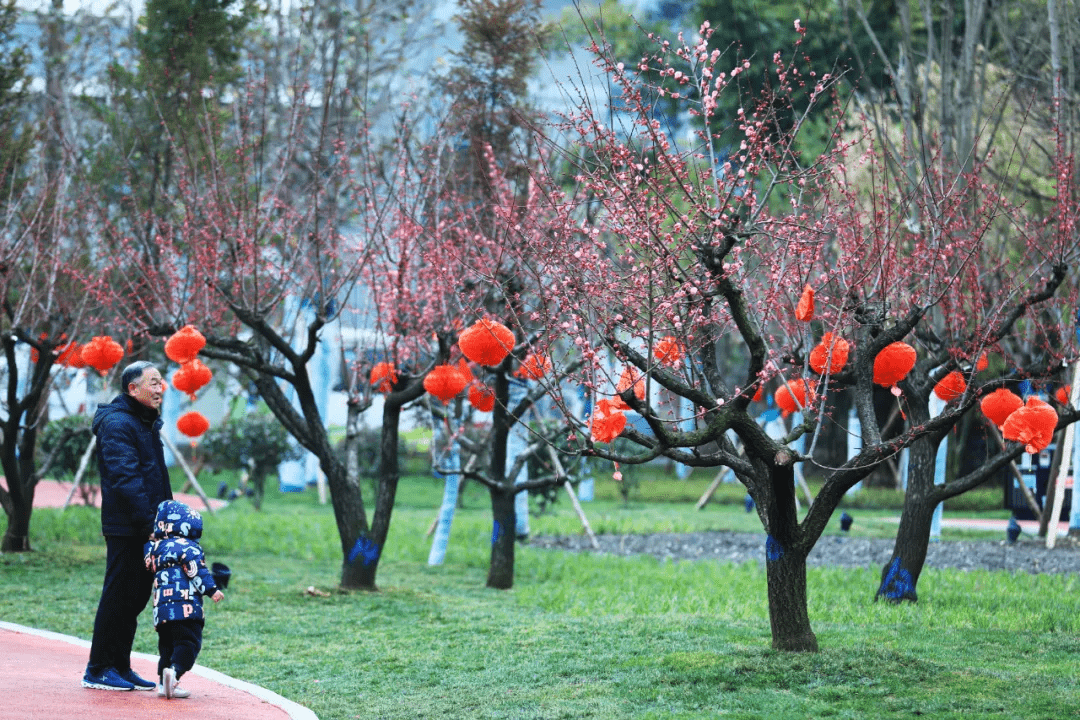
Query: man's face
[{"x": 148, "y": 389}]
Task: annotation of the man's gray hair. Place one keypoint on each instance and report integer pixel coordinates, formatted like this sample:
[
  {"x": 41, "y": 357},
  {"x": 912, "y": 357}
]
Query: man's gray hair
[{"x": 133, "y": 372}]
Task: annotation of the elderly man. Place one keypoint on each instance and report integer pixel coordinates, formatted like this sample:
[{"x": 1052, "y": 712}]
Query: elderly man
[{"x": 134, "y": 480}]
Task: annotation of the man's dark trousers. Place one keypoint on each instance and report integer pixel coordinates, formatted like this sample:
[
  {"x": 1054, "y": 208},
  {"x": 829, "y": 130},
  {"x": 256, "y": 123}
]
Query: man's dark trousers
[{"x": 123, "y": 596}]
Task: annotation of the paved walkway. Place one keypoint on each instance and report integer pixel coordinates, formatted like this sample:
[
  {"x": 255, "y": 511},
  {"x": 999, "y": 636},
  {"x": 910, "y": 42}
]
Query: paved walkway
[{"x": 41, "y": 679}]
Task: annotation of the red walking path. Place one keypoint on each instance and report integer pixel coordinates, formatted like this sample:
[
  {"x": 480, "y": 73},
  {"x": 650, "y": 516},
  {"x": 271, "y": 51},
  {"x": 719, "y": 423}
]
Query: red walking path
[{"x": 41, "y": 679}]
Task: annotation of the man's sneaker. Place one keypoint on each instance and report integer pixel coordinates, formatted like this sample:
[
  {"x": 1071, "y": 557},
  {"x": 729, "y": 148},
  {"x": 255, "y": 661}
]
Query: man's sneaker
[
  {"x": 140, "y": 683},
  {"x": 107, "y": 679}
]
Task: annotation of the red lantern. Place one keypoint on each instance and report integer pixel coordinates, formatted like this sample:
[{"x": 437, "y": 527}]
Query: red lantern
[
  {"x": 193, "y": 424},
  {"x": 486, "y": 342},
  {"x": 788, "y": 394},
  {"x": 820, "y": 360},
  {"x": 102, "y": 353},
  {"x": 465, "y": 370},
  {"x": 982, "y": 363},
  {"x": 445, "y": 382},
  {"x": 1062, "y": 394},
  {"x": 534, "y": 367},
  {"x": 191, "y": 377},
  {"x": 893, "y": 364},
  {"x": 951, "y": 386},
  {"x": 667, "y": 350},
  {"x": 759, "y": 394},
  {"x": 482, "y": 397},
  {"x": 383, "y": 377},
  {"x": 184, "y": 344},
  {"x": 1000, "y": 404},
  {"x": 607, "y": 421},
  {"x": 71, "y": 356},
  {"x": 1033, "y": 425},
  {"x": 805, "y": 309},
  {"x": 630, "y": 376}
]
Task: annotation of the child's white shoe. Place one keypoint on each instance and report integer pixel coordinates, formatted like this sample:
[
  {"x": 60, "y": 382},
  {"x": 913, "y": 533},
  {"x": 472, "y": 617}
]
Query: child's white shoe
[{"x": 168, "y": 688}]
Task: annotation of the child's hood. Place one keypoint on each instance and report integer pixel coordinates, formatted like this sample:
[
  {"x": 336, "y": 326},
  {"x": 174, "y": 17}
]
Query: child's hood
[{"x": 175, "y": 519}]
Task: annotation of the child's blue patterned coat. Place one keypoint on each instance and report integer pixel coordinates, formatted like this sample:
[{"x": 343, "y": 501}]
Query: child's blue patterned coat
[{"x": 181, "y": 577}]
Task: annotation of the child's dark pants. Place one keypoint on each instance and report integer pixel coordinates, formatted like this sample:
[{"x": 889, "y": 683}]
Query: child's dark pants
[{"x": 179, "y": 642}]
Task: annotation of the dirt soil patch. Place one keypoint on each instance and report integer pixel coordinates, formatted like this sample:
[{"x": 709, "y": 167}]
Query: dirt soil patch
[{"x": 1027, "y": 554}]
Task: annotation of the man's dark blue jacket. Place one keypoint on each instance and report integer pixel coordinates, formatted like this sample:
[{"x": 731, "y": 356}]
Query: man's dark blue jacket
[{"x": 131, "y": 460}]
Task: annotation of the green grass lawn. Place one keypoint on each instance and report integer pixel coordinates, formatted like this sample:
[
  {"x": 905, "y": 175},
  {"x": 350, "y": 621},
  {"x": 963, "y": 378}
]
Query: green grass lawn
[{"x": 579, "y": 636}]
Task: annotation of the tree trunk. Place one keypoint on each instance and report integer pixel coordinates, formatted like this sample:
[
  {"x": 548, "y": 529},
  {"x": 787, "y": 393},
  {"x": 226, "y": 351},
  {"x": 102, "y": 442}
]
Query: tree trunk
[
  {"x": 785, "y": 565},
  {"x": 17, "y": 535},
  {"x": 901, "y": 575},
  {"x": 504, "y": 519}
]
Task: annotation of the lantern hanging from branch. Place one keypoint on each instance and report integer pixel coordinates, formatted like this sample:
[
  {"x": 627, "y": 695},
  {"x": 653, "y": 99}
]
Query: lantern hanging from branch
[
  {"x": 1062, "y": 395},
  {"x": 193, "y": 424},
  {"x": 383, "y": 377},
  {"x": 1033, "y": 425},
  {"x": 71, "y": 356},
  {"x": 445, "y": 382},
  {"x": 667, "y": 350},
  {"x": 486, "y": 342},
  {"x": 759, "y": 394},
  {"x": 630, "y": 377},
  {"x": 951, "y": 386},
  {"x": 804, "y": 311},
  {"x": 465, "y": 370},
  {"x": 607, "y": 421},
  {"x": 184, "y": 344},
  {"x": 893, "y": 364},
  {"x": 534, "y": 367},
  {"x": 795, "y": 390},
  {"x": 821, "y": 360},
  {"x": 482, "y": 397},
  {"x": 1000, "y": 404},
  {"x": 192, "y": 377},
  {"x": 982, "y": 363},
  {"x": 102, "y": 353}
]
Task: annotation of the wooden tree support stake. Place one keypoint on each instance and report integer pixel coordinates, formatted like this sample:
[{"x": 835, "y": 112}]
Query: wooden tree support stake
[
  {"x": 83, "y": 464},
  {"x": 573, "y": 498},
  {"x": 187, "y": 471},
  {"x": 1064, "y": 451}
]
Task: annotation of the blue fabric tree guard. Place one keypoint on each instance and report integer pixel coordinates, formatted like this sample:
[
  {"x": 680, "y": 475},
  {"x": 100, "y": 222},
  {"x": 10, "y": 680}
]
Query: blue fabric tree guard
[
  {"x": 854, "y": 443},
  {"x": 586, "y": 488}
]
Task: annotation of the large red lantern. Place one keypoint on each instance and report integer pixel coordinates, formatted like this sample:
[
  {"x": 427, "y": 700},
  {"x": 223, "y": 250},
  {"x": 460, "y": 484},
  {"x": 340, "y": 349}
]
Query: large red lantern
[
  {"x": 184, "y": 344},
  {"x": 804, "y": 311},
  {"x": 787, "y": 395},
  {"x": 102, "y": 353},
  {"x": 383, "y": 377},
  {"x": 482, "y": 397},
  {"x": 630, "y": 377},
  {"x": 607, "y": 421},
  {"x": 820, "y": 359},
  {"x": 445, "y": 382},
  {"x": 893, "y": 364},
  {"x": 951, "y": 386},
  {"x": 193, "y": 424},
  {"x": 1000, "y": 404},
  {"x": 1033, "y": 425},
  {"x": 71, "y": 356},
  {"x": 192, "y": 377},
  {"x": 486, "y": 342}
]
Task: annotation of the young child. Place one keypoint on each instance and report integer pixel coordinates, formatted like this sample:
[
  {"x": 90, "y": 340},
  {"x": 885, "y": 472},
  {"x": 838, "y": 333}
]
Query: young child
[{"x": 181, "y": 578}]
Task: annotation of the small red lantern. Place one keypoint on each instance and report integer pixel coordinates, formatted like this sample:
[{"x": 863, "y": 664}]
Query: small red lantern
[
  {"x": 804, "y": 311},
  {"x": 71, "y": 356},
  {"x": 445, "y": 382},
  {"x": 184, "y": 344},
  {"x": 820, "y": 361},
  {"x": 193, "y": 424},
  {"x": 667, "y": 350},
  {"x": 102, "y": 353},
  {"x": 1000, "y": 404},
  {"x": 534, "y": 367},
  {"x": 191, "y": 377},
  {"x": 630, "y": 376},
  {"x": 486, "y": 342},
  {"x": 759, "y": 394},
  {"x": 482, "y": 397},
  {"x": 383, "y": 377},
  {"x": 982, "y": 363},
  {"x": 787, "y": 395},
  {"x": 893, "y": 364},
  {"x": 1062, "y": 394},
  {"x": 951, "y": 386},
  {"x": 607, "y": 421},
  {"x": 1033, "y": 425}
]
